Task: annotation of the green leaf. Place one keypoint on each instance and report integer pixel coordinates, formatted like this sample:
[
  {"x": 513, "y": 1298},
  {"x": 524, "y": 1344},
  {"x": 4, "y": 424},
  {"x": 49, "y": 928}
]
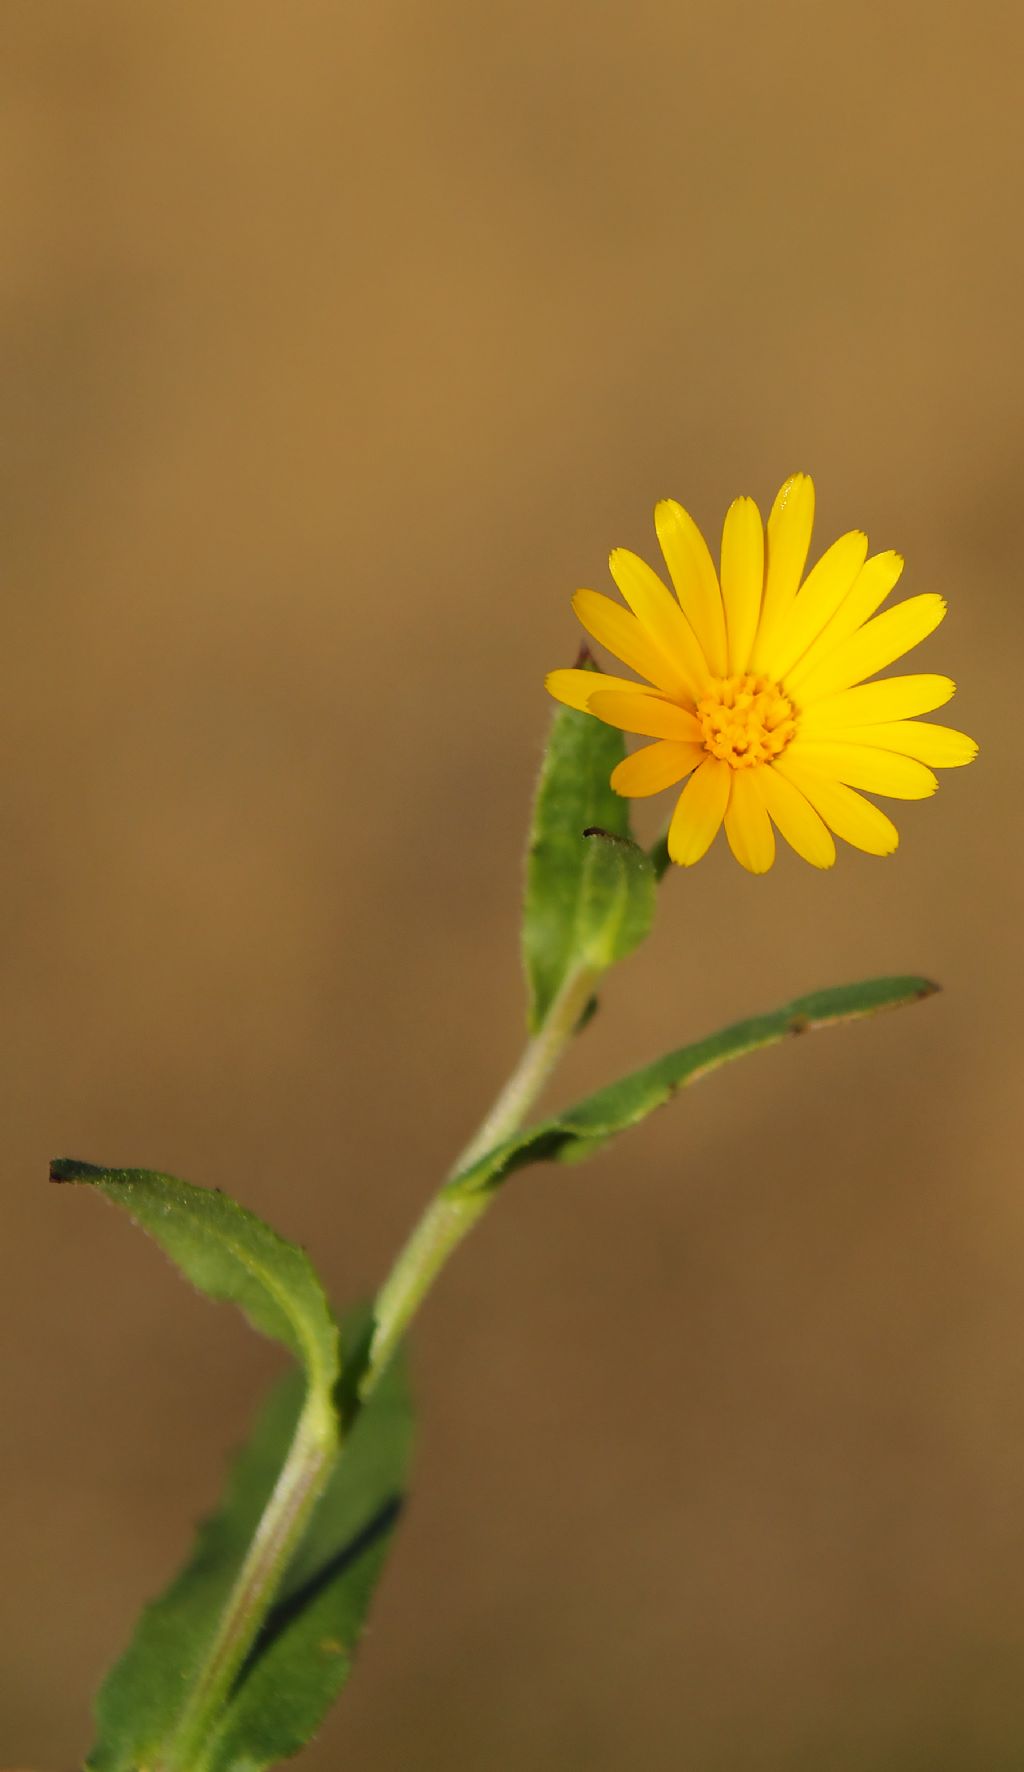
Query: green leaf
[
  {"x": 229, "y": 1254},
  {"x": 618, "y": 898},
  {"x": 580, "y": 1130},
  {"x": 590, "y": 891},
  {"x": 303, "y": 1655}
]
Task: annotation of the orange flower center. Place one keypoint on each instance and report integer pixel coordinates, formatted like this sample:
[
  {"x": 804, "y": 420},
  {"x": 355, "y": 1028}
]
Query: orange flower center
[{"x": 745, "y": 720}]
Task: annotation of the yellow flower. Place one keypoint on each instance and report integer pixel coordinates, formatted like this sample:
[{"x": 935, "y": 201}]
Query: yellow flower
[{"x": 755, "y": 691}]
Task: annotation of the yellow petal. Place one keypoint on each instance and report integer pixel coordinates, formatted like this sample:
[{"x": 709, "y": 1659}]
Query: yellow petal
[
  {"x": 656, "y": 767},
  {"x": 699, "y": 813},
  {"x": 747, "y": 824},
  {"x": 824, "y": 589},
  {"x": 790, "y": 522},
  {"x": 742, "y": 578},
  {"x": 876, "y": 578},
  {"x": 939, "y": 746},
  {"x": 879, "y": 643},
  {"x": 895, "y": 698},
  {"x": 619, "y": 632},
  {"x": 796, "y": 818},
  {"x": 647, "y": 715},
  {"x": 844, "y": 811},
  {"x": 661, "y": 617},
  {"x": 692, "y": 572},
  {"x": 576, "y": 687},
  {"x": 862, "y": 766}
]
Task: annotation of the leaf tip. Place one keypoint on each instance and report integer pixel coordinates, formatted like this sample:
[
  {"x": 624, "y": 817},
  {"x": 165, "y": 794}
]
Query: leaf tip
[{"x": 73, "y": 1169}]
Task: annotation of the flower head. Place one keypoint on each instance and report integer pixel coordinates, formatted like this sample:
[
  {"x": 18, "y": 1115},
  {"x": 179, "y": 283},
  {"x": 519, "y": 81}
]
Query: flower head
[{"x": 755, "y": 691}]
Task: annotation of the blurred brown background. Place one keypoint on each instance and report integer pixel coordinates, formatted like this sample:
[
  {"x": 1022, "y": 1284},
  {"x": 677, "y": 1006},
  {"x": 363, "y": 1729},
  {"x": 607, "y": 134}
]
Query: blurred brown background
[{"x": 339, "y": 345}]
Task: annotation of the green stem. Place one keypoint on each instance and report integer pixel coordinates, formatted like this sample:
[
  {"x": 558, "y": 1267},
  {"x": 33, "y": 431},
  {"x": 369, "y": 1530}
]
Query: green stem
[
  {"x": 451, "y": 1216},
  {"x": 284, "y": 1520},
  {"x": 446, "y": 1221}
]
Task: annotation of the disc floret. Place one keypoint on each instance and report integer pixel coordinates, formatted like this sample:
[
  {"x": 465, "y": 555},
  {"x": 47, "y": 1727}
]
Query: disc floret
[{"x": 745, "y": 720}]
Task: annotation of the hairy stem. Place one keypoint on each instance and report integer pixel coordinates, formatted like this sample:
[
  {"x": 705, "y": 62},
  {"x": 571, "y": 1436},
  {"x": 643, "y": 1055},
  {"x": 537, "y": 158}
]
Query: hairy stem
[
  {"x": 451, "y": 1216},
  {"x": 284, "y": 1520}
]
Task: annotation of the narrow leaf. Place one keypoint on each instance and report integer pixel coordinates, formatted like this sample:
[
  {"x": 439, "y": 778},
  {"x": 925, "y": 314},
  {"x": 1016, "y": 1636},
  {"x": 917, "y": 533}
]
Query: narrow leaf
[
  {"x": 229, "y": 1254},
  {"x": 580, "y": 1130},
  {"x": 589, "y": 889}
]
